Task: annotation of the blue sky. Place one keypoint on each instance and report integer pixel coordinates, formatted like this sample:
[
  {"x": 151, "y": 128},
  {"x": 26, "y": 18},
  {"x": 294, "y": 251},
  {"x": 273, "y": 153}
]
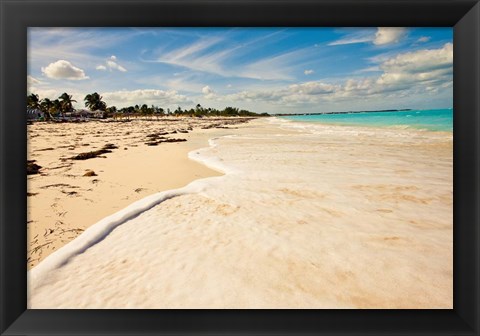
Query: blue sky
[{"x": 275, "y": 70}]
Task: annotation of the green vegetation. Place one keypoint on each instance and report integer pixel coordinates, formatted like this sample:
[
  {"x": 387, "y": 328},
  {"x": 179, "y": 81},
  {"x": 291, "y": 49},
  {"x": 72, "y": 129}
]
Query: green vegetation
[
  {"x": 94, "y": 102},
  {"x": 33, "y": 101},
  {"x": 66, "y": 102}
]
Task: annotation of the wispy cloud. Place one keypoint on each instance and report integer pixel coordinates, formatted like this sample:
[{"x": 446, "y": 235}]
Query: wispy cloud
[
  {"x": 215, "y": 54},
  {"x": 278, "y": 67},
  {"x": 423, "y": 39},
  {"x": 354, "y": 37},
  {"x": 32, "y": 80},
  {"x": 382, "y": 36},
  {"x": 353, "y": 40},
  {"x": 369, "y": 69},
  {"x": 73, "y": 44}
]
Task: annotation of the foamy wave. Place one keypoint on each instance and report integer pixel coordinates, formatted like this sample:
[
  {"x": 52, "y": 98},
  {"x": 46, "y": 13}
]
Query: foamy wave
[
  {"x": 212, "y": 162},
  {"x": 100, "y": 230},
  {"x": 97, "y": 232}
]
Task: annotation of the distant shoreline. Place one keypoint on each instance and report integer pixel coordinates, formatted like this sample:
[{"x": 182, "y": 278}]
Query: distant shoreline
[{"x": 344, "y": 112}]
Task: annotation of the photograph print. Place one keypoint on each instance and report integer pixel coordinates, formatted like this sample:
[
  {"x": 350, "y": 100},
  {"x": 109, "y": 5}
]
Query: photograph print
[{"x": 247, "y": 168}]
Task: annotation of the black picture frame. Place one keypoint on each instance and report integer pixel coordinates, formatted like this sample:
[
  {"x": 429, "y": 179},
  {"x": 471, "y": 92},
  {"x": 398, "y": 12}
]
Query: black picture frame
[{"x": 17, "y": 15}]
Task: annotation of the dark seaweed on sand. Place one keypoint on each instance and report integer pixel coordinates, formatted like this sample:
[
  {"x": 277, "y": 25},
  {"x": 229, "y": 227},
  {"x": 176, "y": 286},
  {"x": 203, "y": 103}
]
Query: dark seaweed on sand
[
  {"x": 32, "y": 167},
  {"x": 94, "y": 154}
]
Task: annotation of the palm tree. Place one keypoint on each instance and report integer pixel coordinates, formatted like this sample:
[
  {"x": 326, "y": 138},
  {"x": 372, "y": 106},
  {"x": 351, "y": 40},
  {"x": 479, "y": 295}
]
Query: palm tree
[
  {"x": 47, "y": 106},
  {"x": 94, "y": 102},
  {"x": 144, "y": 110},
  {"x": 66, "y": 102},
  {"x": 33, "y": 101},
  {"x": 57, "y": 106}
]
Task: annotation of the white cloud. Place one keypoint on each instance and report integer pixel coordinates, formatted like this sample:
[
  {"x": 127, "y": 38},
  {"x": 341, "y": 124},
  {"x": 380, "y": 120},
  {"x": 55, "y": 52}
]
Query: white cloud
[
  {"x": 388, "y": 35},
  {"x": 423, "y": 71},
  {"x": 146, "y": 96},
  {"x": 421, "y": 61},
  {"x": 355, "y": 36},
  {"x": 308, "y": 72},
  {"x": 62, "y": 69},
  {"x": 432, "y": 66},
  {"x": 382, "y": 36},
  {"x": 111, "y": 64},
  {"x": 369, "y": 69},
  {"x": 115, "y": 66},
  {"x": 352, "y": 40},
  {"x": 32, "y": 81},
  {"x": 423, "y": 39},
  {"x": 267, "y": 95},
  {"x": 208, "y": 92},
  {"x": 313, "y": 88}
]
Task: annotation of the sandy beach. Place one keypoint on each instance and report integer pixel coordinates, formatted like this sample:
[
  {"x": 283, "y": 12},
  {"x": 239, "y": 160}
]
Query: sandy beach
[
  {"x": 303, "y": 216},
  {"x": 67, "y": 196}
]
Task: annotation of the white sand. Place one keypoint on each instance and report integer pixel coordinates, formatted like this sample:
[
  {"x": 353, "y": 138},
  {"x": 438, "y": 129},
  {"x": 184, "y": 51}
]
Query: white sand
[
  {"x": 306, "y": 217},
  {"x": 64, "y": 202}
]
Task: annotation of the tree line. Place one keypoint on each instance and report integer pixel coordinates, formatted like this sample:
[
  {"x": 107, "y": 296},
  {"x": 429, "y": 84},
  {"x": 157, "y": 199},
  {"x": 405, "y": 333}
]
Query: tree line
[{"x": 94, "y": 102}]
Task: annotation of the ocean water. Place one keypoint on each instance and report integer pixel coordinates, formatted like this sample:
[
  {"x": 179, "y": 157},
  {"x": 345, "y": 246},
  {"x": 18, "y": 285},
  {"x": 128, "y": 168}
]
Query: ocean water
[
  {"x": 431, "y": 120},
  {"x": 305, "y": 216}
]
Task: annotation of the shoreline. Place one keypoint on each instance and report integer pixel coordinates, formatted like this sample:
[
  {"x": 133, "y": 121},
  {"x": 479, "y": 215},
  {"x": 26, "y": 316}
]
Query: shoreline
[
  {"x": 416, "y": 123},
  {"x": 355, "y": 130},
  {"x": 62, "y": 202}
]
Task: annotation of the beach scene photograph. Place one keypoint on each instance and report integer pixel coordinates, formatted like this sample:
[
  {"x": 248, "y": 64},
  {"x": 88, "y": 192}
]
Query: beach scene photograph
[{"x": 239, "y": 168}]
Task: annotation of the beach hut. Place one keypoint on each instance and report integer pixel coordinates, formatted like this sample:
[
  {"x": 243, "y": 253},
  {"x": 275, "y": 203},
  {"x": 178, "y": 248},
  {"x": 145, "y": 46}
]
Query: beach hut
[
  {"x": 98, "y": 114},
  {"x": 81, "y": 113}
]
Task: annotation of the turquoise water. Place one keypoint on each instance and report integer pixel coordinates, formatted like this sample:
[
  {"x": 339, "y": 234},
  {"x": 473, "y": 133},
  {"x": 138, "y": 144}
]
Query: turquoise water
[{"x": 431, "y": 120}]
